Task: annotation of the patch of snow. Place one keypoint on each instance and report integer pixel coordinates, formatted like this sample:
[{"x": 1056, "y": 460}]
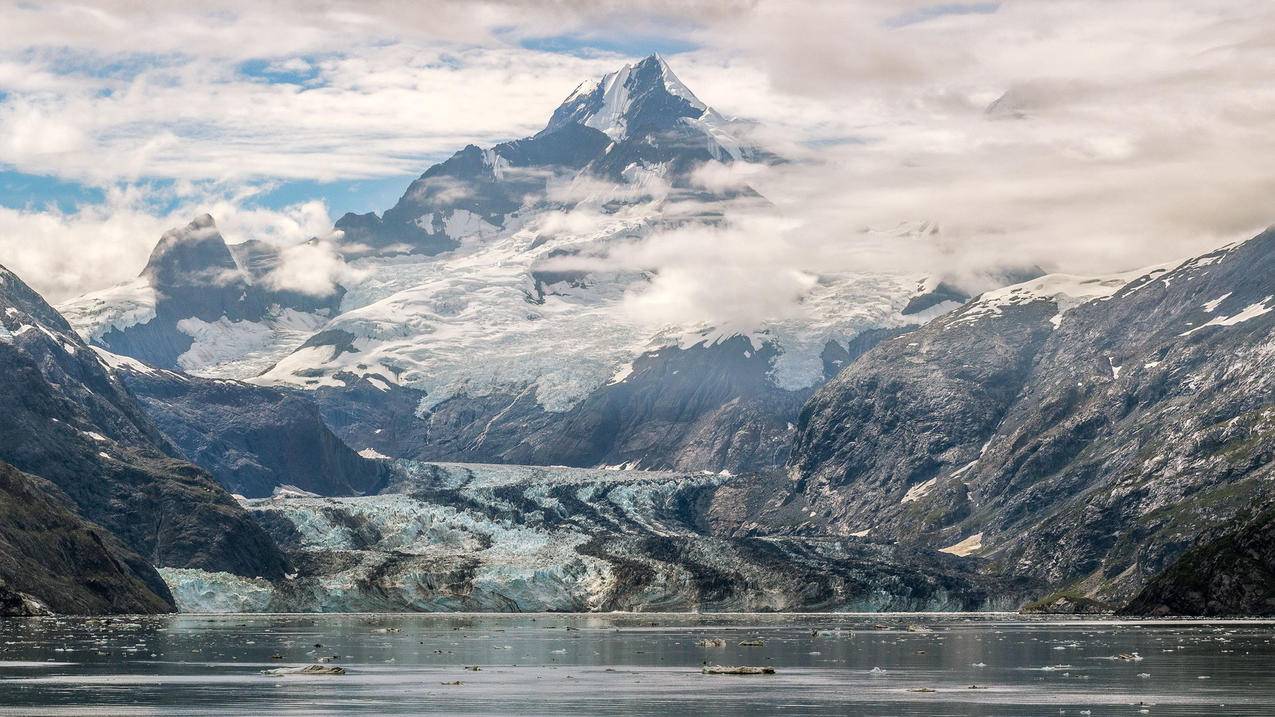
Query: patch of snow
[
  {"x": 374, "y": 454},
  {"x": 1065, "y": 291},
  {"x": 920, "y": 490},
  {"x": 1211, "y": 306},
  {"x": 115, "y": 361},
  {"x": 1252, "y": 311},
  {"x": 240, "y": 349},
  {"x": 966, "y": 547},
  {"x": 464, "y": 224},
  {"x": 622, "y": 373}
]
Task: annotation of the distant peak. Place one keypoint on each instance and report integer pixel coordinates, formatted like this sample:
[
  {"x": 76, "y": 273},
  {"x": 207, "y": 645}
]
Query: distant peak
[
  {"x": 636, "y": 97},
  {"x": 194, "y": 248},
  {"x": 203, "y": 221}
]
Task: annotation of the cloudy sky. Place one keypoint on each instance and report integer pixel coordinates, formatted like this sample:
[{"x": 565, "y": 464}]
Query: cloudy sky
[{"x": 1083, "y": 135}]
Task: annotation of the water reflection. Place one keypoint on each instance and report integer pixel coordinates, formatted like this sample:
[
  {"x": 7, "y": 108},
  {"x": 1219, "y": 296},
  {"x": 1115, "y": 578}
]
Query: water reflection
[{"x": 635, "y": 665}]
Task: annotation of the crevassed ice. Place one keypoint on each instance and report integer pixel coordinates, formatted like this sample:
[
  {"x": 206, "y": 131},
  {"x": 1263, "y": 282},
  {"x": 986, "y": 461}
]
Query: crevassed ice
[{"x": 95, "y": 314}]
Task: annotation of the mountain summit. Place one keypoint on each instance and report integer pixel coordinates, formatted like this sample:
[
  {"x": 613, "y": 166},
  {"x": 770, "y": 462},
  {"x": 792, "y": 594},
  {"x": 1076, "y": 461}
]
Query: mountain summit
[
  {"x": 636, "y": 98},
  {"x": 637, "y": 129}
]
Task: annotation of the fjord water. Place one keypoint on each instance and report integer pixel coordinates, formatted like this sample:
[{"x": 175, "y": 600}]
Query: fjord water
[{"x": 631, "y": 664}]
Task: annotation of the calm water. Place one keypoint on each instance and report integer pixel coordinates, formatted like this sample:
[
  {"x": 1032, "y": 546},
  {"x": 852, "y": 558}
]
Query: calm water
[{"x": 635, "y": 665}]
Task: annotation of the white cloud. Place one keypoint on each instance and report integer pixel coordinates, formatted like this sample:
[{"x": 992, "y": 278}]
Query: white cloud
[
  {"x": 1129, "y": 133},
  {"x": 63, "y": 254},
  {"x": 313, "y": 267}
]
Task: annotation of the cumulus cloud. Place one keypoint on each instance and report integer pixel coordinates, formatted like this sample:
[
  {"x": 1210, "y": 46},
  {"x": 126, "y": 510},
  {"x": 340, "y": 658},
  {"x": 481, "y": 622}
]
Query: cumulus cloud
[
  {"x": 66, "y": 253},
  {"x": 314, "y": 267},
  {"x": 718, "y": 177}
]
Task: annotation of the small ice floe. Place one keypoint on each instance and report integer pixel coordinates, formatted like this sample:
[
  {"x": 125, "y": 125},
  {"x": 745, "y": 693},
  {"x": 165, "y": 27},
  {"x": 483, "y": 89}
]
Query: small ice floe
[
  {"x": 711, "y": 642},
  {"x": 979, "y": 664},
  {"x": 876, "y": 671},
  {"x": 307, "y": 670},
  {"x": 743, "y": 670},
  {"x": 751, "y": 643},
  {"x": 1144, "y": 675}
]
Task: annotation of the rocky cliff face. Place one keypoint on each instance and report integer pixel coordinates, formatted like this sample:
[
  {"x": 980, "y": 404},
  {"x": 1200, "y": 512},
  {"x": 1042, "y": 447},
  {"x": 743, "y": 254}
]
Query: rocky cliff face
[
  {"x": 704, "y": 407},
  {"x": 1078, "y": 432},
  {"x": 252, "y": 439},
  {"x": 1229, "y": 573},
  {"x": 520, "y": 538},
  {"x": 67, "y": 419},
  {"x": 52, "y": 560}
]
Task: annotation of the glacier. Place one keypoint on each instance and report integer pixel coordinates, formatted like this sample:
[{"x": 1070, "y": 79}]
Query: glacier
[{"x": 469, "y": 537}]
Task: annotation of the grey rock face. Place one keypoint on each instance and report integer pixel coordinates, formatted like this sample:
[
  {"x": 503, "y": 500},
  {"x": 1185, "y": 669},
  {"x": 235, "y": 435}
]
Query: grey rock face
[
  {"x": 252, "y": 439},
  {"x": 67, "y": 419},
  {"x": 1231, "y": 573},
  {"x": 52, "y": 560},
  {"x": 701, "y": 408},
  {"x": 1087, "y": 455}
]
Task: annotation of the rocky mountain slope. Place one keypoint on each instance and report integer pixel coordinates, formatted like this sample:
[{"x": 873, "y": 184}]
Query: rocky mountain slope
[
  {"x": 67, "y": 419},
  {"x": 251, "y": 438},
  {"x": 1081, "y": 432},
  {"x": 460, "y": 334},
  {"x": 52, "y": 560},
  {"x": 1229, "y": 574},
  {"x": 519, "y": 538}
]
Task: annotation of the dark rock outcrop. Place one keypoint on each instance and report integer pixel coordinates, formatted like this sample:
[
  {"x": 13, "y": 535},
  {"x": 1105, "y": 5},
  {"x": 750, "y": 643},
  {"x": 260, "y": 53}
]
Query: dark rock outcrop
[
  {"x": 1232, "y": 574},
  {"x": 52, "y": 560},
  {"x": 699, "y": 408},
  {"x": 252, "y": 439},
  {"x": 67, "y": 419}
]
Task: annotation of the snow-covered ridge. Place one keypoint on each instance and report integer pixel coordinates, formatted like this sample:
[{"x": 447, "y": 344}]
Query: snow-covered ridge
[
  {"x": 1065, "y": 291},
  {"x": 96, "y": 314},
  {"x": 464, "y": 322},
  {"x": 605, "y": 104}
]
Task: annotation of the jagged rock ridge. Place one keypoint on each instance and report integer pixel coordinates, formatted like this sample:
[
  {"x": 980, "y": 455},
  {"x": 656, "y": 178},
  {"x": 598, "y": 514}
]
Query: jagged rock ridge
[{"x": 1084, "y": 441}]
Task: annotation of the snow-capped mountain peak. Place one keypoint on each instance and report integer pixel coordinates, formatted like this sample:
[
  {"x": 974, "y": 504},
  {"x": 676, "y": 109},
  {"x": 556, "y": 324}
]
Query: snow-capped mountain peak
[{"x": 636, "y": 98}]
